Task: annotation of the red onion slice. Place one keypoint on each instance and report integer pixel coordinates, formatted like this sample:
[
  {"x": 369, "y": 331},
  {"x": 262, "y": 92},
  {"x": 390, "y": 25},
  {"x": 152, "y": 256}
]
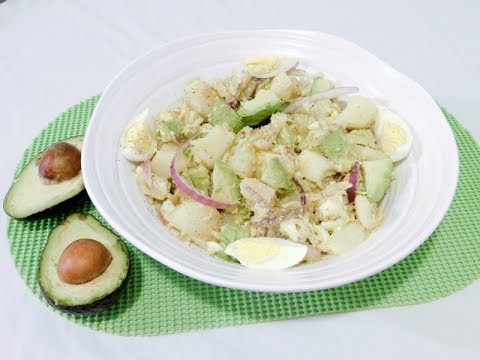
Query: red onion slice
[
  {"x": 303, "y": 195},
  {"x": 190, "y": 190},
  {"x": 158, "y": 211},
  {"x": 322, "y": 95},
  {"x": 256, "y": 196},
  {"x": 147, "y": 173},
  {"x": 353, "y": 179},
  {"x": 179, "y": 139}
]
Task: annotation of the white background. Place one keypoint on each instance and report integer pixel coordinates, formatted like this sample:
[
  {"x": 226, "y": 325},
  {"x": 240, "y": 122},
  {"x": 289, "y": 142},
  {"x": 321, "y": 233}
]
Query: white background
[{"x": 56, "y": 53}]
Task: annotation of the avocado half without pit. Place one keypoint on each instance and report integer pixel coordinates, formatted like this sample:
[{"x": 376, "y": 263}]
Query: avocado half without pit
[
  {"x": 53, "y": 176},
  {"x": 83, "y": 266}
]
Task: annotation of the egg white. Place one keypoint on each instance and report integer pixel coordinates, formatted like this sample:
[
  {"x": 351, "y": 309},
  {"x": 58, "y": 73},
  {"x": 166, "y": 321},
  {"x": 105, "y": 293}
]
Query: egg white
[
  {"x": 134, "y": 152},
  {"x": 277, "y": 254},
  {"x": 283, "y": 64},
  {"x": 385, "y": 118}
]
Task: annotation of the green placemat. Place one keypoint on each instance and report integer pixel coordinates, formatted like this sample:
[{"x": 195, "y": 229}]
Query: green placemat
[{"x": 158, "y": 300}]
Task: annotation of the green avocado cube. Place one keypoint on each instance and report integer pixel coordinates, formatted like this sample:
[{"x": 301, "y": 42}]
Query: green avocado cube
[
  {"x": 275, "y": 176},
  {"x": 254, "y": 111},
  {"x": 226, "y": 187},
  {"x": 377, "y": 175},
  {"x": 221, "y": 113}
]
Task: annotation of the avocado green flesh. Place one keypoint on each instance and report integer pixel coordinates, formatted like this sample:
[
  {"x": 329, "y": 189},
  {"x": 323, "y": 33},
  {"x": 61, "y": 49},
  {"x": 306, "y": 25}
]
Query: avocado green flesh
[
  {"x": 63, "y": 295},
  {"x": 199, "y": 177},
  {"x": 377, "y": 175},
  {"x": 172, "y": 125},
  {"x": 254, "y": 111},
  {"x": 361, "y": 137},
  {"x": 225, "y": 183},
  {"x": 277, "y": 177},
  {"x": 30, "y": 194},
  {"x": 232, "y": 232},
  {"x": 334, "y": 145},
  {"x": 223, "y": 113}
]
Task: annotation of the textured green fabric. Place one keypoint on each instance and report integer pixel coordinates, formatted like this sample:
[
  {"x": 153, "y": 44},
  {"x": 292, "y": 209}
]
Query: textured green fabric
[{"x": 158, "y": 300}]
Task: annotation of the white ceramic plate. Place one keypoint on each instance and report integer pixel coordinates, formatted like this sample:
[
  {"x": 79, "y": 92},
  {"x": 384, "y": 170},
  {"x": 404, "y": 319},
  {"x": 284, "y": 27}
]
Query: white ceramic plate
[{"x": 414, "y": 206}]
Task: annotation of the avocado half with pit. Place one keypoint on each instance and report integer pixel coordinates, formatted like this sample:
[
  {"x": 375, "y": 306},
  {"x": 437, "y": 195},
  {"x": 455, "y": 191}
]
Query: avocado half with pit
[
  {"x": 83, "y": 267},
  {"x": 52, "y": 177}
]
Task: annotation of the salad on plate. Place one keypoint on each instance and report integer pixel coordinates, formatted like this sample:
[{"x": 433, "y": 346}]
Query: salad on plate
[{"x": 270, "y": 167}]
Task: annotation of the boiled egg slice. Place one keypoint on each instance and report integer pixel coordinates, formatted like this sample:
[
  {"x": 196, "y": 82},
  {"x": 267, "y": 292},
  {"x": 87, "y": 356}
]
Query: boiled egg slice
[
  {"x": 266, "y": 252},
  {"x": 138, "y": 141},
  {"x": 393, "y": 135},
  {"x": 267, "y": 66}
]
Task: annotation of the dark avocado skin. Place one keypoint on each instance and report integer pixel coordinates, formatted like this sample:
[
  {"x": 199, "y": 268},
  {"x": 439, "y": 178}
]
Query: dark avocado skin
[
  {"x": 98, "y": 305},
  {"x": 89, "y": 309}
]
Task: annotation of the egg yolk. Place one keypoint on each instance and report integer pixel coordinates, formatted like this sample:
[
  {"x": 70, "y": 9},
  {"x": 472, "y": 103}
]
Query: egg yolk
[
  {"x": 255, "y": 252},
  {"x": 393, "y": 137},
  {"x": 263, "y": 64},
  {"x": 139, "y": 137}
]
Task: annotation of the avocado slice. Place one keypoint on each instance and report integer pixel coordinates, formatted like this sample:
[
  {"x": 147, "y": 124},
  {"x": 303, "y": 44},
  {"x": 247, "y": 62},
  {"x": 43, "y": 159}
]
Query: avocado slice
[
  {"x": 221, "y": 113},
  {"x": 199, "y": 177},
  {"x": 225, "y": 183},
  {"x": 232, "y": 232},
  {"x": 363, "y": 137},
  {"x": 171, "y": 125},
  {"x": 30, "y": 193},
  {"x": 334, "y": 145},
  {"x": 95, "y": 295},
  {"x": 254, "y": 111},
  {"x": 277, "y": 177},
  {"x": 377, "y": 175}
]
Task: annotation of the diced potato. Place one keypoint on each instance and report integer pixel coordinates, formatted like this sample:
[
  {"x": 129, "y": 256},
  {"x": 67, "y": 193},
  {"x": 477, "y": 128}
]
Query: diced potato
[
  {"x": 359, "y": 114},
  {"x": 200, "y": 97},
  {"x": 321, "y": 237},
  {"x": 313, "y": 139},
  {"x": 321, "y": 109},
  {"x": 264, "y": 137},
  {"x": 320, "y": 84},
  {"x": 365, "y": 153},
  {"x": 333, "y": 225},
  {"x": 194, "y": 219},
  {"x": 260, "y": 213},
  {"x": 242, "y": 159},
  {"x": 286, "y": 159},
  {"x": 283, "y": 86},
  {"x": 333, "y": 208},
  {"x": 257, "y": 192},
  {"x": 313, "y": 166},
  {"x": 165, "y": 116},
  {"x": 302, "y": 122},
  {"x": 367, "y": 213},
  {"x": 167, "y": 208},
  {"x": 213, "y": 145},
  {"x": 347, "y": 238},
  {"x": 279, "y": 120},
  {"x": 159, "y": 187},
  {"x": 160, "y": 163},
  {"x": 302, "y": 231}
]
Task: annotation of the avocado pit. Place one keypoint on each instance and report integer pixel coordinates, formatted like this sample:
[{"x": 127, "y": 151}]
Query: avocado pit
[
  {"x": 60, "y": 162},
  {"x": 82, "y": 261}
]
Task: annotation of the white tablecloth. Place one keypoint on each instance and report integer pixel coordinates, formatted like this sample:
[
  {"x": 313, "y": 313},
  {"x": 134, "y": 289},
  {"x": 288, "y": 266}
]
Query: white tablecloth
[{"x": 55, "y": 53}]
